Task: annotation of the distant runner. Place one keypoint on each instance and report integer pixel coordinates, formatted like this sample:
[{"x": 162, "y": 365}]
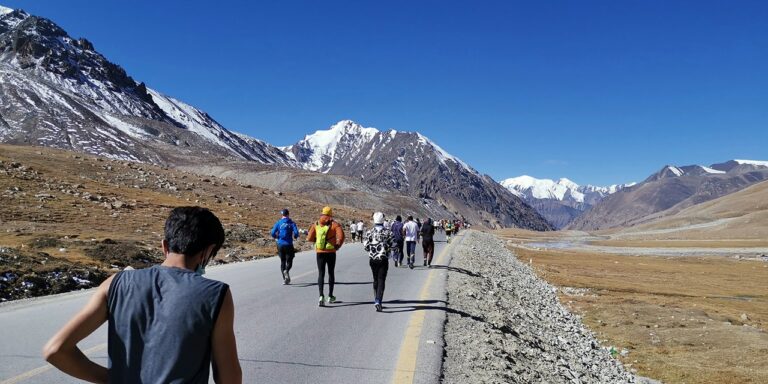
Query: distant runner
[
  {"x": 448, "y": 231},
  {"x": 328, "y": 237},
  {"x": 411, "y": 236},
  {"x": 360, "y": 230},
  {"x": 397, "y": 232},
  {"x": 378, "y": 241},
  {"x": 427, "y": 241},
  {"x": 353, "y": 230},
  {"x": 285, "y": 231}
]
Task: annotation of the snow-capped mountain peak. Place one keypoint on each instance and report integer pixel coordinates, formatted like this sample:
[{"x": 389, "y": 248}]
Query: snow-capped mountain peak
[
  {"x": 5, "y": 10},
  {"x": 563, "y": 189},
  {"x": 559, "y": 201},
  {"x": 347, "y": 139},
  {"x": 752, "y": 162},
  {"x": 320, "y": 150}
]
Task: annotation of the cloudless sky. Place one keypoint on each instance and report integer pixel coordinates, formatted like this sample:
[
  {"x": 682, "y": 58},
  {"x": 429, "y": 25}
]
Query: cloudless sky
[{"x": 600, "y": 92}]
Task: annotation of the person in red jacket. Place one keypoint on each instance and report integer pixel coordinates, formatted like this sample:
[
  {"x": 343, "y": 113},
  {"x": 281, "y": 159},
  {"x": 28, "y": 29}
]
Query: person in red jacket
[{"x": 328, "y": 237}]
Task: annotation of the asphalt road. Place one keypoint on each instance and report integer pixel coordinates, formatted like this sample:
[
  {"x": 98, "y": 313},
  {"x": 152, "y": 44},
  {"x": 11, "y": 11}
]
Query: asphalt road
[{"x": 282, "y": 335}]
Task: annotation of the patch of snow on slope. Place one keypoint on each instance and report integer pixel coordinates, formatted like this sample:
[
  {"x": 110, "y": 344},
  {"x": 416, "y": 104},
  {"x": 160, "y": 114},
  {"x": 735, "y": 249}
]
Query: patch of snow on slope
[
  {"x": 710, "y": 170},
  {"x": 442, "y": 155},
  {"x": 191, "y": 118},
  {"x": 128, "y": 129},
  {"x": 5, "y": 10},
  {"x": 677, "y": 171}
]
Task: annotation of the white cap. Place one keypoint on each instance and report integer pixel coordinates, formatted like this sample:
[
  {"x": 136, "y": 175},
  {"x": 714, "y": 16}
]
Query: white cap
[{"x": 378, "y": 218}]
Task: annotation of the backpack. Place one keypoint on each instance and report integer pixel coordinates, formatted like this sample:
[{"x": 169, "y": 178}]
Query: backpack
[
  {"x": 321, "y": 239},
  {"x": 285, "y": 231}
]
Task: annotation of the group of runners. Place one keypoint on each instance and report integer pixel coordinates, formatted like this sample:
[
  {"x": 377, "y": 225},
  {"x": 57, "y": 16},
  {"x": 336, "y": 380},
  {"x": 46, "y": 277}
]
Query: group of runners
[
  {"x": 171, "y": 310},
  {"x": 384, "y": 241}
]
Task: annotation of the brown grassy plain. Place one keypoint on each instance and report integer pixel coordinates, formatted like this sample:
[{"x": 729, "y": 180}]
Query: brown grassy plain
[{"x": 682, "y": 319}]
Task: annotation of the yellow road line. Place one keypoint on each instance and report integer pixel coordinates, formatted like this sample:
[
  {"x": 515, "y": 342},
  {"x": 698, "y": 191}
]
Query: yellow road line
[
  {"x": 46, "y": 368},
  {"x": 406, "y": 361}
]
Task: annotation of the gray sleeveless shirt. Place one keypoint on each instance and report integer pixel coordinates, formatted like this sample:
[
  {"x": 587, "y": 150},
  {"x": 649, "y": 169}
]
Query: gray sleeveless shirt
[{"x": 160, "y": 325}]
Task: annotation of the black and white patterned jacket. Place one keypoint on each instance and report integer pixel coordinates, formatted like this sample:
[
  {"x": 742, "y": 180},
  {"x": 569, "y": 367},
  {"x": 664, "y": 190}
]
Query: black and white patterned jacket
[{"x": 378, "y": 242}]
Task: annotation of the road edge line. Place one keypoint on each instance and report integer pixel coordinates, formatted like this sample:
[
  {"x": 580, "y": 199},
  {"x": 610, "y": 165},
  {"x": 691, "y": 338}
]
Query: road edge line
[{"x": 405, "y": 369}]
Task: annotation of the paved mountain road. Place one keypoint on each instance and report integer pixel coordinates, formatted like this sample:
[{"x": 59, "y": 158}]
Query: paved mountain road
[{"x": 282, "y": 336}]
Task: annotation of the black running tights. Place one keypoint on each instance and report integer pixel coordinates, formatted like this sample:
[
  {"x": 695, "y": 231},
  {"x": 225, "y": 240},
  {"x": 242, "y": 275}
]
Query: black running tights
[
  {"x": 286, "y": 254},
  {"x": 324, "y": 259},
  {"x": 379, "y": 269}
]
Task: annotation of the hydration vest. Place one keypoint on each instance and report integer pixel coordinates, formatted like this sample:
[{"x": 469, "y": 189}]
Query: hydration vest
[{"x": 321, "y": 237}]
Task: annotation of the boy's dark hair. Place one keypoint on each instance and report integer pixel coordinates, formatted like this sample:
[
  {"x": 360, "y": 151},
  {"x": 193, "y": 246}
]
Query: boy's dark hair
[
  {"x": 399, "y": 218},
  {"x": 189, "y": 230}
]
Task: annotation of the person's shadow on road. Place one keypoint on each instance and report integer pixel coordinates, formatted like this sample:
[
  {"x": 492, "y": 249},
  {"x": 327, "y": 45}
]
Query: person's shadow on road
[
  {"x": 304, "y": 285},
  {"x": 425, "y": 305}
]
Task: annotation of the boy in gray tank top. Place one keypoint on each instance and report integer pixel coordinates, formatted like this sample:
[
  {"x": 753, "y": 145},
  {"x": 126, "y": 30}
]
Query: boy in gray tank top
[{"x": 166, "y": 324}]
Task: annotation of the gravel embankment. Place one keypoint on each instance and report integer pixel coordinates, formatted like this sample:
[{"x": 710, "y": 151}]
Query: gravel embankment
[{"x": 505, "y": 325}]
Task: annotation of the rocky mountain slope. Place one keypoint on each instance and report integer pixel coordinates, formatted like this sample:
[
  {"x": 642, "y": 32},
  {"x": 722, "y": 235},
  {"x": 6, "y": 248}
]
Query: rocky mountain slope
[
  {"x": 561, "y": 201},
  {"x": 58, "y": 91},
  {"x": 68, "y": 220},
  {"x": 414, "y": 165},
  {"x": 740, "y": 215},
  {"x": 671, "y": 190}
]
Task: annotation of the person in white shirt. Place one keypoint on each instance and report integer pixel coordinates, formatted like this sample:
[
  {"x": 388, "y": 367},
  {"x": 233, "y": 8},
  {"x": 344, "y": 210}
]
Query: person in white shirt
[
  {"x": 411, "y": 230},
  {"x": 360, "y": 230},
  {"x": 353, "y": 230}
]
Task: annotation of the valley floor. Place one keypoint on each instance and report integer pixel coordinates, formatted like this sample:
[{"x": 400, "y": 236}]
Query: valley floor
[{"x": 677, "y": 319}]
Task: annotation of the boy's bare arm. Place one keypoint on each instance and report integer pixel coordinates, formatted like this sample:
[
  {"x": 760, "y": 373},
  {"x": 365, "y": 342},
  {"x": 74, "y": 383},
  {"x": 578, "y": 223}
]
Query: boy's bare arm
[
  {"x": 226, "y": 366},
  {"x": 62, "y": 351}
]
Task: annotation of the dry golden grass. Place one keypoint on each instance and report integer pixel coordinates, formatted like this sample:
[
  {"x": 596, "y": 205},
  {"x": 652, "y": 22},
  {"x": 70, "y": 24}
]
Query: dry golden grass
[
  {"x": 75, "y": 223},
  {"x": 680, "y": 318}
]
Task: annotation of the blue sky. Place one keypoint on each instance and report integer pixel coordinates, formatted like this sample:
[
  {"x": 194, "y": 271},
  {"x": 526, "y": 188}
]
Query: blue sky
[{"x": 600, "y": 92}]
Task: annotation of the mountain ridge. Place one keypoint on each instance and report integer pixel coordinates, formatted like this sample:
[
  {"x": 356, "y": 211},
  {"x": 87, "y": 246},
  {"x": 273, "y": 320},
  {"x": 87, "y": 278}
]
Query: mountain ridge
[
  {"x": 58, "y": 91},
  {"x": 412, "y": 163},
  {"x": 670, "y": 190}
]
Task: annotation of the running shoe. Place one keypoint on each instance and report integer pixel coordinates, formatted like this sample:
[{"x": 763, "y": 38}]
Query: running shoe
[
  {"x": 425, "y": 263},
  {"x": 410, "y": 265},
  {"x": 377, "y": 305},
  {"x": 321, "y": 302},
  {"x": 331, "y": 299}
]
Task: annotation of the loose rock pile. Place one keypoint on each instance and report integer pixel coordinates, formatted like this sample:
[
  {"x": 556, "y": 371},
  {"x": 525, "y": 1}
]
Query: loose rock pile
[{"x": 505, "y": 325}]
